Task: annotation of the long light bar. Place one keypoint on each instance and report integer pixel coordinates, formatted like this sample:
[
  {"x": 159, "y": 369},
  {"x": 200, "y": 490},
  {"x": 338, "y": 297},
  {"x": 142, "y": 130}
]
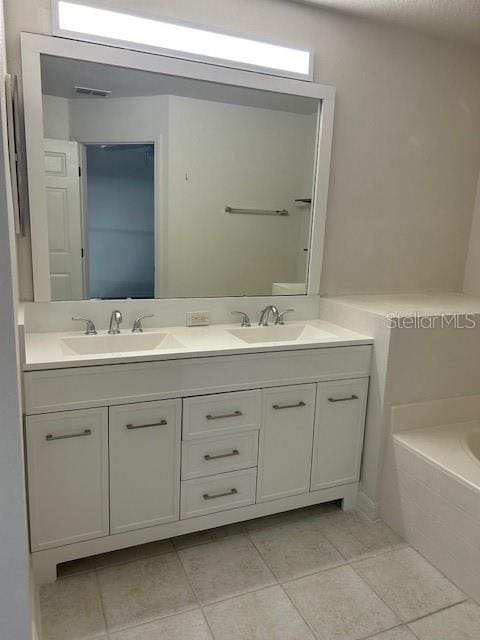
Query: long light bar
[{"x": 75, "y": 20}]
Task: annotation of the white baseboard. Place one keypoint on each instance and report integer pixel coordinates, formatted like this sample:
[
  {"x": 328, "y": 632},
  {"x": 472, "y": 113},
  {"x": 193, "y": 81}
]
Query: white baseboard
[{"x": 368, "y": 506}]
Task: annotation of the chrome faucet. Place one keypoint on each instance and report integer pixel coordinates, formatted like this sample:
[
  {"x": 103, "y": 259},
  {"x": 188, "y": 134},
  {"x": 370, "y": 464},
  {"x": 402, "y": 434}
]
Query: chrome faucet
[
  {"x": 263, "y": 322},
  {"x": 115, "y": 320}
]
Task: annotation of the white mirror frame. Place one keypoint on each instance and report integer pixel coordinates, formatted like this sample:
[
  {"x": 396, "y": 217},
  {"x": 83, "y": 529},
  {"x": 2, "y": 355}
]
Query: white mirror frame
[{"x": 33, "y": 46}]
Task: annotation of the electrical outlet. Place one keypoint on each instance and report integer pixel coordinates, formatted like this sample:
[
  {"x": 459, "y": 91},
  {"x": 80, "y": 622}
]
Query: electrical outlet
[{"x": 197, "y": 318}]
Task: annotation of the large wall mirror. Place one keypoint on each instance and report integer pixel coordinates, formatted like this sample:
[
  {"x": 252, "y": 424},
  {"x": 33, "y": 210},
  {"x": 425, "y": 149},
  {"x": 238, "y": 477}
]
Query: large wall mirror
[{"x": 156, "y": 185}]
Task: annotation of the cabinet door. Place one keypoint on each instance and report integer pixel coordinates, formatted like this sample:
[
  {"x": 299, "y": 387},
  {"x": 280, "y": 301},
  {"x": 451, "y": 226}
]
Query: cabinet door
[
  {"x": 339, "y": 428},
  {"x": 286, "y": 437},
  {"x": 67, "y": 457},
  {"x": 144, "y": 464}
]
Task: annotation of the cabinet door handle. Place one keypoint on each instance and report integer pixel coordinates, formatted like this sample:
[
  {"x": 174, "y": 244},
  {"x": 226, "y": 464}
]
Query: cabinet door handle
[
  {"x": 289, "y": 406},
  {"x": 162, "y": 423},
  {"x": 79, "y": 434},
  {"x": 235, "y": 414},
  {"x": 352, "y": 397},
  {"x": 235, "y": 452},
  {"x": 232, "y": 492}
]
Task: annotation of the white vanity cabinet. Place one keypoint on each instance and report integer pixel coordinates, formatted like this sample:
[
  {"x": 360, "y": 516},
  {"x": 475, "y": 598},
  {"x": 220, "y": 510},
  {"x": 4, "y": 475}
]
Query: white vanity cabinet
[
  {"x": 168, "y": 448},
  {"x": 286, "y": 441},
  {"x": 67, "y": 455},
  {"x": 339, "y": 428},
  {"x": 144, "y": 444}
]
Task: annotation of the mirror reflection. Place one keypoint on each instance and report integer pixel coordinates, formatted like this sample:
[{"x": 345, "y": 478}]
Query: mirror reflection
[{"x": 161, "y": 186}]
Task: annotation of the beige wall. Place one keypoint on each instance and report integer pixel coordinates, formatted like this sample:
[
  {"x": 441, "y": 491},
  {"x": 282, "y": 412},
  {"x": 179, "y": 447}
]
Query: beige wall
[
  {"x": 406, "y": 150},
  {"x": 235, "y": 155},
  {"x": 471, "y": 283}
]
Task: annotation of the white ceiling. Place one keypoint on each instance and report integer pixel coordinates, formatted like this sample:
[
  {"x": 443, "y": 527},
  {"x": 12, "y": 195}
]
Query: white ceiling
[
  {"x": 61, "y": 75},
  {"x": 454, "y": 19}
]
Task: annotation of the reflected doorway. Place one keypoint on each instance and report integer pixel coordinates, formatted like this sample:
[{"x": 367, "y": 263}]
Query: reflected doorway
[{"x": 120, "y": 220}]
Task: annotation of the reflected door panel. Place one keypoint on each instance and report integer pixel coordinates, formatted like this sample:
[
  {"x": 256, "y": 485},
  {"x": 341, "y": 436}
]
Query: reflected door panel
[{"x": 64, "y": 219}]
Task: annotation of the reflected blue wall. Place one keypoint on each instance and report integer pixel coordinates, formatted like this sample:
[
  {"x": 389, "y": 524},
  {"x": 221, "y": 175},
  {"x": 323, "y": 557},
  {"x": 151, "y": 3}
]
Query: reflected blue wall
[{"x": 121, "y": 206}]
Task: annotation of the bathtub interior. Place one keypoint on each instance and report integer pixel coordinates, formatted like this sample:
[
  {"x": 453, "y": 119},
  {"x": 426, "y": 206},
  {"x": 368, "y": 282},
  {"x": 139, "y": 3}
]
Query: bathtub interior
[{"x": 473, "y": 444}]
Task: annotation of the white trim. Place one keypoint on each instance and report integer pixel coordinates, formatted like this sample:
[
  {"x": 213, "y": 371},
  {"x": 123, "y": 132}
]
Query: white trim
[
  {"x": 178, "y": 53},
  {"x": 320, "y": 194},
  {"x": 33, "y": 45},
  {"x": 82, "y": 162},
  {"x": 368, "y": 506},
  {"x": 34, "y": 136}
]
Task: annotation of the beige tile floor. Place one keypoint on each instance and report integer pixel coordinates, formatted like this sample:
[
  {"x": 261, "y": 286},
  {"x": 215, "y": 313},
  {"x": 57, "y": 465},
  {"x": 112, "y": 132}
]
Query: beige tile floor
[{"x": 312, "y": 574}]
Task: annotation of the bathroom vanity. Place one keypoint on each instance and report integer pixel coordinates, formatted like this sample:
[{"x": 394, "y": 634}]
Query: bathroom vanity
[
  {"x": 152, "y": 177},
  {"x": 127, "y": 448}
]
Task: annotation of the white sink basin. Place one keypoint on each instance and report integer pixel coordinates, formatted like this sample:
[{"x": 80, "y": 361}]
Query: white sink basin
[
  {"x": 280, "y": 333},
  {"x": 120, "y": 343}
]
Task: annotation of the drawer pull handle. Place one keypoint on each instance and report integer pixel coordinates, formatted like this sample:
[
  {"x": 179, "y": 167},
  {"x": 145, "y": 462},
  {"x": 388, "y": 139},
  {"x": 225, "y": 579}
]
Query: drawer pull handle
[
  {"x": 85, "y": 432},
  {"x": 352, "y": 397},
  {"x": 162, "y": 423},
  {"x": 289, "y": 406},
  {"x": 232, "y": 492},
  {"x": 235, "y": 414},
  {"x": 235, "y": 452}
]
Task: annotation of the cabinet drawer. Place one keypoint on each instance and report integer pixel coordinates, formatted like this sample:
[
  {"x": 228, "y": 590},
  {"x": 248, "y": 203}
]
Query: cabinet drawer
[
  {"x": 144, "y": 464},
  {"x": 339, "y": 428},
  {"x": 286, "y": 439},
  {"x": 208, "y": 456},
  {"x": 67, "y": 456},
  {"x": 218, "y": 493},
  {"x": 221, "y": 413}
]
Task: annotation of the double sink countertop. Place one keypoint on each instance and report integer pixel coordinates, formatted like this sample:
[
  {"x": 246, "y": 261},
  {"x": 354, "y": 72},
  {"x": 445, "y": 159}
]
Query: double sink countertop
[{"x": 55, "y": 350}]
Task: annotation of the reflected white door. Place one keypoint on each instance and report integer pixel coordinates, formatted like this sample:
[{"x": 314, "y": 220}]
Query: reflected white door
[{"x": 62, "y": 182}]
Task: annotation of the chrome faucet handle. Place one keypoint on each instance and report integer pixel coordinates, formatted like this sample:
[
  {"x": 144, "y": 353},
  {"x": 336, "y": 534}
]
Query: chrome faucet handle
[
  {"x": 245, "y": 318},
  {"x": 90, "y": 328},
  {"x": 281, "y": 318},
  {"x": 137, "y": 325},
  {"x": 115, "y": 319}
]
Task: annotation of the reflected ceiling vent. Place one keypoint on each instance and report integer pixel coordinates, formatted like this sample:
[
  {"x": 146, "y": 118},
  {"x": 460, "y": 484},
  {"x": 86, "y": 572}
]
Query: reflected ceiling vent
[{"x": 96, "y": 93}]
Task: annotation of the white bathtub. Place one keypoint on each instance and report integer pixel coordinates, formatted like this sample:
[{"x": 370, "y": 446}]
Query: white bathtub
[{"x": 438, "y": 485}]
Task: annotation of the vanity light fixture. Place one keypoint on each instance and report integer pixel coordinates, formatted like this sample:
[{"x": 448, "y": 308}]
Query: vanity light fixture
[{"x": 83, "y": 22}]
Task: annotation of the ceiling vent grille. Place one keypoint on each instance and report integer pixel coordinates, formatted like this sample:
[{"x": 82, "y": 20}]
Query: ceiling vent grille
[{"x": 88, "y": 91}]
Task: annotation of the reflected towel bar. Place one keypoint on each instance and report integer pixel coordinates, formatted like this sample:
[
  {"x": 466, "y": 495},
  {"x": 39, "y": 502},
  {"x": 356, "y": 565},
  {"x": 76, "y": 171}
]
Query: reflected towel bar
[{"x": 258, "y": 212}]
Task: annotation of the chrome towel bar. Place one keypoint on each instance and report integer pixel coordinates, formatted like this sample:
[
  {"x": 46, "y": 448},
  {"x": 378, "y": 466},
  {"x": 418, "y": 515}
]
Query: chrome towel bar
[{"x": 258, "y": 212}]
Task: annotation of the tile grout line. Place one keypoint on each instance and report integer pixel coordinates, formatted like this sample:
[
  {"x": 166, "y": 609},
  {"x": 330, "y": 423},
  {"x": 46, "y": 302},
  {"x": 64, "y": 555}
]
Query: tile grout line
[
  {"x": 449, "y": 606},
  {"x": 208, "y": 604},
  {"x": 102, "y": 604},
  {"x": 208, "y": 624},
  {"x": 138, "y": 625},
  {"x": 306, "y": 575},
  {"x": 390, "y": 607},
  {"x": 118, "y": 564},
  {"x": 155, "y": 619},
  {"x": 333, "y": 569},
  {"x": 189, "y": 582},
  {"x": 309, "y": 626}
]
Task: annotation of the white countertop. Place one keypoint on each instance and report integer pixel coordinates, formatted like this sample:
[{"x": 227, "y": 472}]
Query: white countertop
[{"x": 48, "y": 351}]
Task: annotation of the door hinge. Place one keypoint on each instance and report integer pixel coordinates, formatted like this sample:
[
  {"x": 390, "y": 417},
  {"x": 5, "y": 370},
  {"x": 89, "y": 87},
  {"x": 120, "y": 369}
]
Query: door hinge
[
  {"x": 82, "y": 252},
  {"x": 79, "y": 172}
]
